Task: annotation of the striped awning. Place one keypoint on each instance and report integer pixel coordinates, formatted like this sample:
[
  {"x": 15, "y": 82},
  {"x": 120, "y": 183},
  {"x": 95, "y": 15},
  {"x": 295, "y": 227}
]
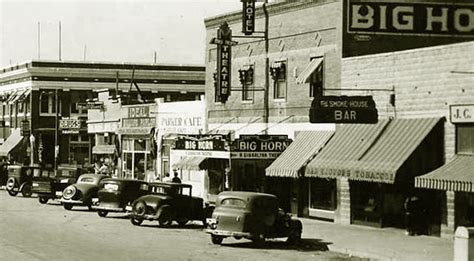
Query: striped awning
[
  {"x": 11, "y": 142},
  {"x": 298, "y": 154},
  {"x": 456, "y": 175},
  {"x": 190, "y": 163},
  {"x": 371, "y": 152},
  {"x": 104, "y": 149},
  {"x": 305, "y": 75}
]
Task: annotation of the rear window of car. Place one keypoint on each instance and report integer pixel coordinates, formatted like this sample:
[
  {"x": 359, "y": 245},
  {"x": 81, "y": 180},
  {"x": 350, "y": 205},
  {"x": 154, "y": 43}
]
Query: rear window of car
[
  {"x": 233, "y": 202},
  {"x": 87, "y": 180}
]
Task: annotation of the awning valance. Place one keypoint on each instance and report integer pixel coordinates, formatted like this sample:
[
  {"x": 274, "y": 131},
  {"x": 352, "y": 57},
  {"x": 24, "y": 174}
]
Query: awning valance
[
  {"x": 305, "y": 75},
  {"x": 456, "y": 175},
  {"x": 371, "y": 152},
  {"x": 190, "y": 163},
  {"x": 11, "y": 142},
  {"x": 104, "y": 149},
  {"x": 298, "y": 154}
]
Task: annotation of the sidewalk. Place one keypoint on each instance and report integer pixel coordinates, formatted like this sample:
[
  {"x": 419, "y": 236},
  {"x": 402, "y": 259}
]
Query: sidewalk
[{"x": 377, "y": 243}]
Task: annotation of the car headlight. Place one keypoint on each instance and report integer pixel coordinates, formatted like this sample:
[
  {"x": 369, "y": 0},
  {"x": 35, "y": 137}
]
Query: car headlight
[
  {"x": 69, "y": 192},
  {"x": 139, "y": 208}
]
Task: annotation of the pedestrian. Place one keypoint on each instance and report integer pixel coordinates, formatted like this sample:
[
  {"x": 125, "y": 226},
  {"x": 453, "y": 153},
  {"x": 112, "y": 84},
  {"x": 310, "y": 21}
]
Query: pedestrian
[
  {"x": 413, "y": 214},
  {"x": 167, "y": 177},
  {"x": 176, "y": 179}
]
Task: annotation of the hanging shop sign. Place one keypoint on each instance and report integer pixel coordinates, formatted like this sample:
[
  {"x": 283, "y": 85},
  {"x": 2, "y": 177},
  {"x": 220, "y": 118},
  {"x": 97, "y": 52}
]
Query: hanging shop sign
[
  {"x": 137, "y": 120},
  {"x": 375, "y": 26},
  {"x": 97, "y": 105},
  {"x": 71, "y": 125},
  {"x": 461, "y": 113},
  {"x": 224, "y": 61},
  {"x": 210, "y": 146},
  {"x": 259, "y": 146},
  {"x": 343, "y": 109},
  {"x": 248, "y": 17}
]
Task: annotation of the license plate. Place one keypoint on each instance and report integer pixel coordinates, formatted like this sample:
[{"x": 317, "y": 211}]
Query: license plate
[
  {"x": 128, "y": 208},
  {"x": 64, "y": 180},
  {"x": 95, "y": 200},
  {"x": 35, "y": 185},
  {"x": 211, "y": 221},
  {"x": 59, "y": 193}
]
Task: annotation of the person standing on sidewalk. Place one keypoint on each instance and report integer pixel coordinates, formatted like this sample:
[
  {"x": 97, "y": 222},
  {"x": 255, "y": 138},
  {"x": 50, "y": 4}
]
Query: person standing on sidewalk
[{"x": 414, "y": 215}]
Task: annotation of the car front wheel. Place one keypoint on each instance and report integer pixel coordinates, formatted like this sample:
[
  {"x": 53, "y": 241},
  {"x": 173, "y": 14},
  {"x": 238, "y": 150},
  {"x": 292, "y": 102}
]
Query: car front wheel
[
  {"x": 67, "y": 206},
  {"x": 216, "y": 240},
  {"x": 43, "y": 200},
  {"x": 102, "y": 213},
  {"x": 26, "y": 190},
  {"x": 11, "y": 184},
  {"x": 136, "y": 221},
  {"x": 164, "y": 216}
]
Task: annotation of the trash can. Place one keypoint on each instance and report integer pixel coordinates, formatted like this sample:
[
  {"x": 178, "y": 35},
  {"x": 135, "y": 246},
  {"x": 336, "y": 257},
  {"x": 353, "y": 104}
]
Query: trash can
[{"x": 464, "y": 244}]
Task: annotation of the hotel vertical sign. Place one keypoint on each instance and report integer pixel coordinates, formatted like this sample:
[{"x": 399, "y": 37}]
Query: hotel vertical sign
[{"x": 248, "y": 17}]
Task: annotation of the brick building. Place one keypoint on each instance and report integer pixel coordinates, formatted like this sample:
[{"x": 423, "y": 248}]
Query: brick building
[{"x": 41, "y": 98}]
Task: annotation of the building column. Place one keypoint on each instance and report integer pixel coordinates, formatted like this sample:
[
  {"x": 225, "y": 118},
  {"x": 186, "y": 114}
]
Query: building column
[
  {"x": 448, "y": 215},
  {"x": 343, "y": 212}
]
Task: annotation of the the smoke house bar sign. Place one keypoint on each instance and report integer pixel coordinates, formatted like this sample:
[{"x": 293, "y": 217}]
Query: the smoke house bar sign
[
  {"x": 343, "y": 109},
  {"x": 138, "y": 121},
  {"x": 259, "y": 146},
  {"x": 375, "y": 26},
  {"x": 71, "y": 125},
  {"x": 210, "y": 146},
  {"x": 248, "y": 17}
]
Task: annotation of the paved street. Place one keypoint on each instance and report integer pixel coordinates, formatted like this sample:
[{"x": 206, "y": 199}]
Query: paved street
[{"x": 31, "y": 231}]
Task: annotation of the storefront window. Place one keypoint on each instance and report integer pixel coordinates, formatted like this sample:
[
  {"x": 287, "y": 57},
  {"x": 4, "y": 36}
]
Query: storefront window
[
  {"x": 464, "y": 203},
  {"x": 128, "y": 165},
  {"x": 79, "y": 149},
  {"x": 137, "y": 158},
  {"x": 465, "y": 138},
  {"x": 323, "y": 194}
]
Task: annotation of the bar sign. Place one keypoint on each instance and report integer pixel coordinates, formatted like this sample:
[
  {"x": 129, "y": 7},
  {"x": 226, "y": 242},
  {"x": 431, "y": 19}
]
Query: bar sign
[{"x": 248, "y": 17}]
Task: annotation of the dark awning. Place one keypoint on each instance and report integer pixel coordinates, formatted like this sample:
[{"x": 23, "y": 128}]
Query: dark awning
[
  {"x": 371, "y": 152},
  {"x": 11, "y": 142},
  {"x": 309, "y": 70},
  {"x": 456, "y": 175},
  {"x": 104, "y": 149},
  {"x": 190, "y": 163},
  {"x": 298, "y": 154}
]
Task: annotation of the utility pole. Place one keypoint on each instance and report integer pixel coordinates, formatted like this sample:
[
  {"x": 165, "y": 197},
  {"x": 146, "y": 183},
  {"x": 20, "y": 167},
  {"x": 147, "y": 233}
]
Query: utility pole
[
  {"x": 267, "y": 71},
  {"x": 39, "y": 40}
]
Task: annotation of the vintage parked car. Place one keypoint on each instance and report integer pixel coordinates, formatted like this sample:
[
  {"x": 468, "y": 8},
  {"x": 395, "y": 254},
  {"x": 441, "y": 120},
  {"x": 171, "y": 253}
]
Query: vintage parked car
[
  {"x": 51, "y": 187},
  {"x": 82, "y": 192},
  {"x": 20, "y": 179},
  {"x": 3, "y": 173},
  {"x": 251, "y": 215},
  {"x": 116, "y": 194},
  {"x": 168, "y": 202}
]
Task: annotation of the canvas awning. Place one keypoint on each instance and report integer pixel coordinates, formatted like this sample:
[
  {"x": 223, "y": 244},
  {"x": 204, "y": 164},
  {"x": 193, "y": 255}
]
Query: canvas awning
[
  {"x": 372, "y": 152},
  {"x": 456, "y": 175},
  {"x": 190, "y": 163},
  {"x": 104, "y": 149},
  {"x": 298, "y": 154},
  {"x": 305, "y": 75},
  {"x": 11, "y": 142}
]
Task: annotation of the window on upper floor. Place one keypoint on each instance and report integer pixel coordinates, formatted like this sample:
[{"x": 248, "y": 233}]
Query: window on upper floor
[
  {"x": 465, "y": 138},
  {"x": 48, "y": 102},
  {"x": 246, "y": 77},
  {"x": 78, "y": 97},
  {"x": 316, "y": 82},
  {"x": 279, "y": 75}
]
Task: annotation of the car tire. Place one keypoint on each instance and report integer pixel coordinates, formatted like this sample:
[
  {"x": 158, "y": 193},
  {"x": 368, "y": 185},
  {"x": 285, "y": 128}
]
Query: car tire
[
  {"x": 136, "y": 221},
  {"x": 43, "y": 200},
  {"x": 67, "y": 206},
  {"x": 258, "y": 239},
  {"x": 102, "y": 213},
  {"x": 26, "y": 190},
  {"x": 11, "y": 184},
  {"x": 164, "y": 216},
  {"x": 183, "y": 221},
  {"x": 216, "y": 240}
]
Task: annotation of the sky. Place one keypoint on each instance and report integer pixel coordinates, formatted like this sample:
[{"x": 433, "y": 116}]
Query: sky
[{"x": 107, "y": 30}]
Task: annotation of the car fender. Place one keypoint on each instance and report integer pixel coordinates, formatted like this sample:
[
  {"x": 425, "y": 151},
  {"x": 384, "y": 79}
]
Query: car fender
[{"x": 23, "y": 184}]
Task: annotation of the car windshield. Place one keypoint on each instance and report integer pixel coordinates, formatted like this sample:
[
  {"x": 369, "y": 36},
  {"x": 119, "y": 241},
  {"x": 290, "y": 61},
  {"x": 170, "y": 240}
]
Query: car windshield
[
  {"x": 164, "y": 190},
  {"x": 233, "y": 202}
]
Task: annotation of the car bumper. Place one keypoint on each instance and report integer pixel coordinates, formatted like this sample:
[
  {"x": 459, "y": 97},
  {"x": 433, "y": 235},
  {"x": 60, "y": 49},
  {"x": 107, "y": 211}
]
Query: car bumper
[
  {"x": 109, "y": 209},
  {"x": 224, "y": 233},
  {"x": 143, "y": 217},
  {"x": 73, "y": 202}
]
